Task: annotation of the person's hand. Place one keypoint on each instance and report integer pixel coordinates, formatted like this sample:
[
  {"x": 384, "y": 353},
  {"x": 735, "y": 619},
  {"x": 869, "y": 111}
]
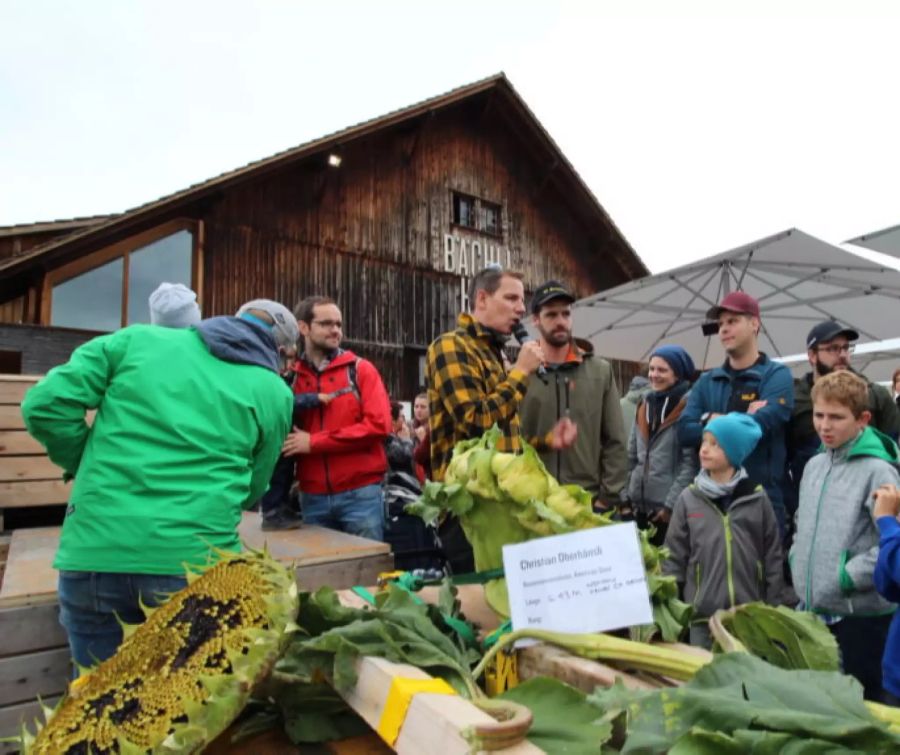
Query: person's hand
[
  {"x": 325, "y": 398},
  {"x": 661, "y": 516},
  {"x": 887, "y": 501},
  {"x": 755, "y": 406},
  {"x": 564, "y": 434},
  {"x": 531, "y": 356},
  {"x": 296, "y": 443},
  {"x": 421, "y": 431}
]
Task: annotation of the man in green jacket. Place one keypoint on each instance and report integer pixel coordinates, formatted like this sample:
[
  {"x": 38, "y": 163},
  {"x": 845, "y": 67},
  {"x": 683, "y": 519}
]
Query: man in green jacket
[
  {"x": 189, "y": 425},
  {"x": 574, "y": 418}
]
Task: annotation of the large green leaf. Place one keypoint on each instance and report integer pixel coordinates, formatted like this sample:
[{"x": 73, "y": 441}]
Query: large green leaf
[
  {"x": 784, "y": 637},
  {"x": 397, "y": 628},
  {"x": 760, "y": 707},
  {"x": 564, "y": 721}
]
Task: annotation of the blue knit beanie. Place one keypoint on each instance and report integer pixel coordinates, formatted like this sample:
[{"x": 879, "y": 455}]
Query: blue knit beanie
[
  {"x": 737, "y": 434},
  {"x": 678, "y": 359}
]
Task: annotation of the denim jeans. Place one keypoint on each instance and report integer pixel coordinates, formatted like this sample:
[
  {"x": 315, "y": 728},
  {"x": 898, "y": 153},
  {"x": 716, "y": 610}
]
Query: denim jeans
[
  {"x": 89, "y": 603},
  {"x": 357, "y": 512}
]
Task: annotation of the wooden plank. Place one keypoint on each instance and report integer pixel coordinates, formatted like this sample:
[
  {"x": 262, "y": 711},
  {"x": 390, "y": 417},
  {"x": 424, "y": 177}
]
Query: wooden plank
[
  {"x": 546, "y": 660},
  {"x": 29, "y": 628},
  {"x": 433, "y": 723},
  {"x": 23, "y": 493},
  {"x": 346, "y": 573},
  {"x": 344, "y": 560},
  {"x": 11, "y": 417},
  {"x": 29, "y": 570},
  {"x": 18, "y": 442},
  {"x": 309, "y": 544},
  {"x": 26, "y": 677},
  {"x": 16, "y": 468},
  {"x": 13, "y": 391},
  {"x": 13, "y": 716}
]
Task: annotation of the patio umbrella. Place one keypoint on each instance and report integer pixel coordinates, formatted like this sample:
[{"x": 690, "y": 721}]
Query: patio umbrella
[{"x": 798, "y": 279}]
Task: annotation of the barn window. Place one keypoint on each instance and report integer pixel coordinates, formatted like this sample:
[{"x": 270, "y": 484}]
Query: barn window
[
  {"x": 491, "y": 214},
  {"x": 109, "y": 289},
  {"x": 463, "y": 210}
]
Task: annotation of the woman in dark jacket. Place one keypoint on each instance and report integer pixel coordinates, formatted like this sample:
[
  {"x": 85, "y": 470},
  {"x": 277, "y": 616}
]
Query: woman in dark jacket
[{"x": 659, "y": 468}]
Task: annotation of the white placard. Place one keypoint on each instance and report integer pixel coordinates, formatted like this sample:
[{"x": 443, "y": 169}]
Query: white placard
[{"x": 586, "y": 581}]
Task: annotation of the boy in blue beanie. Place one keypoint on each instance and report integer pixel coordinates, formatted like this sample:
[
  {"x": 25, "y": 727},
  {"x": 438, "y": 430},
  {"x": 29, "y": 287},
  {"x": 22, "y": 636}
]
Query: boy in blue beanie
[{"x": 723, "y": 541}]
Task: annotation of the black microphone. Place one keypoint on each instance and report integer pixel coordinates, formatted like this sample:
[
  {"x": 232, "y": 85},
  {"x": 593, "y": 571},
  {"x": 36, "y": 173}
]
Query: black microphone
[{"x": 522, "y": 337}]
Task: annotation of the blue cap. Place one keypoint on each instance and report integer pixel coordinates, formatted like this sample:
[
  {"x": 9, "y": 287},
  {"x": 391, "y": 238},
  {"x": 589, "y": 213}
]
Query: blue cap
[
  {"x": 737, "y": 434},
  {"x": 677, "y": 358}
]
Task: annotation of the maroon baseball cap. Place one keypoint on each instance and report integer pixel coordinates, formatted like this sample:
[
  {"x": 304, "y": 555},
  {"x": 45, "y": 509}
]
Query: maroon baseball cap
[{"x": 736, "y": 301}]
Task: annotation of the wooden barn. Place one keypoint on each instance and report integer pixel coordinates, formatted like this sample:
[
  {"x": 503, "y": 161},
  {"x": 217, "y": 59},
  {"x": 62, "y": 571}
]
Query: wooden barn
[{"x": 389, "y": 217}]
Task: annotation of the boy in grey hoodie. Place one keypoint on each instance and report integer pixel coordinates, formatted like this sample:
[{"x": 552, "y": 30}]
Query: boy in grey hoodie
[
  {"x": 723, "y": 541},
  {"x": 836, "y": 544}
]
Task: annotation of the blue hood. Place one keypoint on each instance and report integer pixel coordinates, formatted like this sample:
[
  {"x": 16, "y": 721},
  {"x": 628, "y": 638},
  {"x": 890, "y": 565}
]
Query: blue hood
[{"x": 232, "y": 339}]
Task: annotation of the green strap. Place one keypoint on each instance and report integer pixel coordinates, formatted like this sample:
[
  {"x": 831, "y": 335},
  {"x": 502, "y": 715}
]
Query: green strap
[
  {"x": 364, "y": 594},
  {"x": 492, "y": 638},
  {"x": 477, "y": 578}
]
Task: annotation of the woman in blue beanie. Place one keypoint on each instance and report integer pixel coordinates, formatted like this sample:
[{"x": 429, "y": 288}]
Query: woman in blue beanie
[
  {"x": 723, "y": 541},
  {"x": 659, "y": 467}
]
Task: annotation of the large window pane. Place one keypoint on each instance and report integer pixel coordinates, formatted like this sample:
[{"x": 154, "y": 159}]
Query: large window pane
[
  {"x": 92, "y": 300},
  {"x": 166, "y": 260}
]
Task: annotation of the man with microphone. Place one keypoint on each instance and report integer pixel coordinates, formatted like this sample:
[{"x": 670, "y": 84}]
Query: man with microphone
[{"x": 471, "y": 385}]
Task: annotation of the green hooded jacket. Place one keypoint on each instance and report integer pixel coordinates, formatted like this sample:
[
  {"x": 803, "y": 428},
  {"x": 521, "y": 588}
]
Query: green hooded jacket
[
  {"x": 188, "y": 428},
  {"x": 836, "y": 543}
]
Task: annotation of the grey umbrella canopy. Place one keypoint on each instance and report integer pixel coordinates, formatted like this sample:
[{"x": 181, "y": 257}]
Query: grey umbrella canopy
[
  {"x": 799, "y": 280},
  {"x": 886, "y": 241}
]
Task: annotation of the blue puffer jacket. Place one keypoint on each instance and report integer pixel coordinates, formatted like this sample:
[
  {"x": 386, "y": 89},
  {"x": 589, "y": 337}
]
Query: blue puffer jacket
[{"x": 764, "y": 381}]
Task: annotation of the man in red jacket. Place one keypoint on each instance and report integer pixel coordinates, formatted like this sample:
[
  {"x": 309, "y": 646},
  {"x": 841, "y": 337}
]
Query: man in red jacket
[{"x": 340, "y": 445}]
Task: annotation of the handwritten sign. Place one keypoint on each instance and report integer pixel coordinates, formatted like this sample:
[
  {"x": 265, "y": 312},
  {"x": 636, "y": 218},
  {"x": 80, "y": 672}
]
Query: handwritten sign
[{"x": 586, "y": 581}]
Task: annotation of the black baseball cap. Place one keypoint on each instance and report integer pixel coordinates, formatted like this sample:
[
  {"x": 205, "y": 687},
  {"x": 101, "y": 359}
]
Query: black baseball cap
[
  {"x": 827, "y": 331},
  {"x": 548, "y": 292}
]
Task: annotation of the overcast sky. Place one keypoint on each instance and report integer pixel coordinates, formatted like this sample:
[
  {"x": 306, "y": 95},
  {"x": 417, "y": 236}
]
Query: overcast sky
[{"x": 698, "y": 131}]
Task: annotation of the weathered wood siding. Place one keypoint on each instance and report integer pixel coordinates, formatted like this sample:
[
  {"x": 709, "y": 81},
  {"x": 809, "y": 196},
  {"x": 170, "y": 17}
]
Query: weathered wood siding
[{"x": 371, "y": 233}]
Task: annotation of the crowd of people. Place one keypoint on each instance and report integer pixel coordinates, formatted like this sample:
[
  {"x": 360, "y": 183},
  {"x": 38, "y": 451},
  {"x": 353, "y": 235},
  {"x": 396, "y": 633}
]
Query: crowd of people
[{"x": 761, "y": 487}]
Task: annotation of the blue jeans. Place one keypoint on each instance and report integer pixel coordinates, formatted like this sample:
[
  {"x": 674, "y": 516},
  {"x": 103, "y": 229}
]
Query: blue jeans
[
  {"x": 357, "y": 512},
  {"x": 90, "y": 601}
]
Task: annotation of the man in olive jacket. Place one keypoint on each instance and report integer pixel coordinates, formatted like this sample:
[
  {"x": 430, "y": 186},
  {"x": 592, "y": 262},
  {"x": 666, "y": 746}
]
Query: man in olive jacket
[{"x": 578, "y": 387}]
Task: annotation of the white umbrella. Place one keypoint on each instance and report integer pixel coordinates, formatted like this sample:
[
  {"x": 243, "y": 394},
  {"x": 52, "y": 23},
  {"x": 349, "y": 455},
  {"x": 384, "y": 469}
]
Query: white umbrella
[{"x": 799, "y": 280}]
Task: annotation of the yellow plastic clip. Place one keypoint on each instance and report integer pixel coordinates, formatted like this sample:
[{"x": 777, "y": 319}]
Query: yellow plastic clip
[
  {"x": 502, "y": 673},
  {"x": 399, "y": 697},
  {"x": 387, "y": 576}
]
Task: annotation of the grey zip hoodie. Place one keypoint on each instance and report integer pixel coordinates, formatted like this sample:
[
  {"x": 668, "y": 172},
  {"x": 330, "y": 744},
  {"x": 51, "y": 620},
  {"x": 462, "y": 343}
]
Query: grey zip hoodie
[
  {"x": 836, "y": 546},
  {"x": 725, "y": 559}
]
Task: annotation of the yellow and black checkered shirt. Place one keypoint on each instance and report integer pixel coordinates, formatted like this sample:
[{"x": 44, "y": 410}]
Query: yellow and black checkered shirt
[{"x": 469, "y": 390}]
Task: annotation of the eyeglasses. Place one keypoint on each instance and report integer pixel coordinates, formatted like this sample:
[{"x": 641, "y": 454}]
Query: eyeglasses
[
  {"x": 329, "y": 324},
  {"x": 837, "y": 348}
]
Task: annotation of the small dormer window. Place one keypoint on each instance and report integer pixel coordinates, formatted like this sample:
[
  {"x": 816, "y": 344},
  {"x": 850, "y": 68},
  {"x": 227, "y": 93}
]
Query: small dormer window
[
  {"x": 491, "y": 214},
  {"x": 463, "y": 210}
]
